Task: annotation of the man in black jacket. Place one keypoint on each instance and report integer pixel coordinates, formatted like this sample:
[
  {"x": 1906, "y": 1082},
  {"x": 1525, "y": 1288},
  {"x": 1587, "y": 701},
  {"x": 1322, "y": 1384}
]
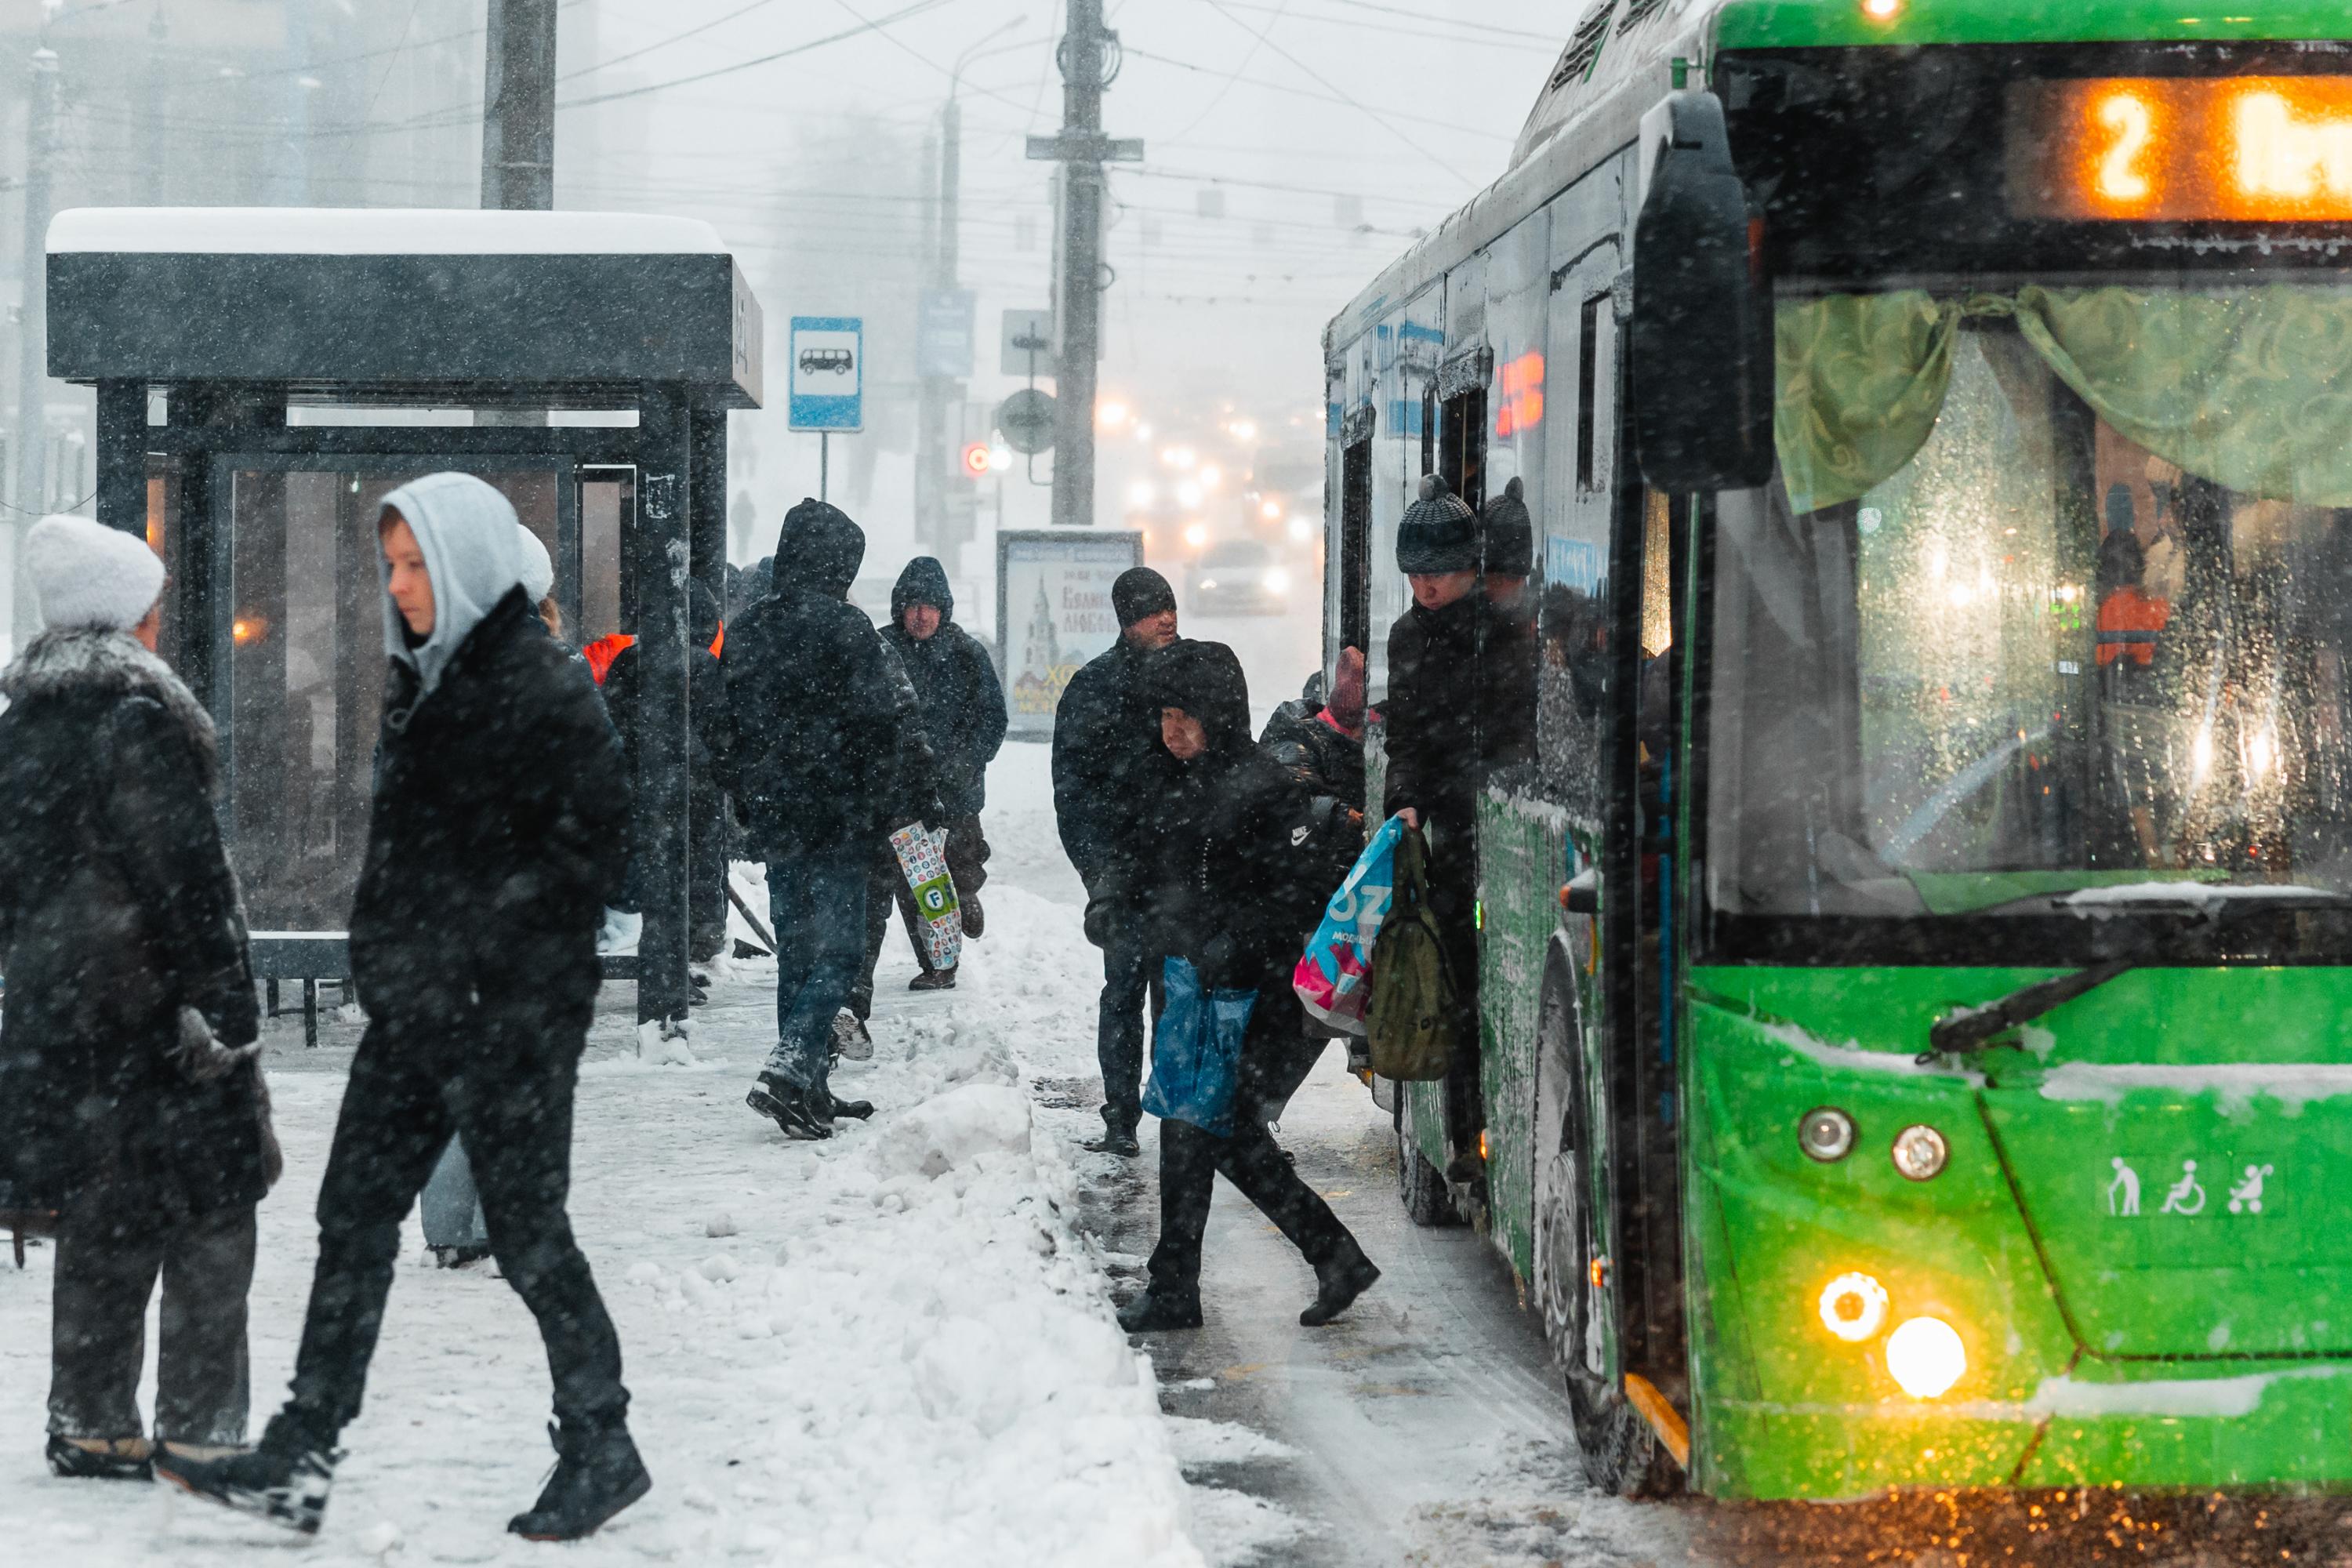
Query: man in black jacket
[
  {"x": 497, "y": 835},
  {"x": 814, "y": 699},
  {"x": 961, "y": 712},
  {"x": 1434, "y": 723},
  {"x": 1234, "y": 891},
  {"x": 1110, "y": 782},
  {"x": 132, "y": 1108}
]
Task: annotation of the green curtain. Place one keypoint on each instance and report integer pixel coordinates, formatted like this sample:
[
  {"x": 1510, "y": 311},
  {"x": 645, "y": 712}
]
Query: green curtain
[{"x": 2249, "y": 387}]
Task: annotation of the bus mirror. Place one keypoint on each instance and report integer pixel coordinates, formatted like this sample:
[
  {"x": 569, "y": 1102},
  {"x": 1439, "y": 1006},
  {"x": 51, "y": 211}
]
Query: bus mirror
[{"x": 1702, "y": 326}]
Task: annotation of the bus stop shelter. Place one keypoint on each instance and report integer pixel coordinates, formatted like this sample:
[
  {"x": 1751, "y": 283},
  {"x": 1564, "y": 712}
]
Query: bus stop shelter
[{"x": 264, "y": 376}]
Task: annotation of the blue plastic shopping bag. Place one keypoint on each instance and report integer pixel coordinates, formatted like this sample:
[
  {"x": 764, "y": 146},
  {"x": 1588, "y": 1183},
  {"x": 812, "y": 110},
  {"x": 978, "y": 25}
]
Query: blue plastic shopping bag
[
  {"x": 1334, "y": 977},
  {"x": 1196, "y": 1051}
]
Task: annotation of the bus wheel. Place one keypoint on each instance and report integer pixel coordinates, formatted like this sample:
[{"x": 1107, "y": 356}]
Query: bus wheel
[
  {"x": 1418, "y": 1183},
  {"x": 1622, "y": 1454}
]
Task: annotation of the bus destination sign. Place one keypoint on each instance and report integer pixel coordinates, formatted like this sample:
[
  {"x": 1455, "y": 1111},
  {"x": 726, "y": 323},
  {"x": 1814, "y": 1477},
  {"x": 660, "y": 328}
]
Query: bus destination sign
[{"x": 2275, "y": 149}]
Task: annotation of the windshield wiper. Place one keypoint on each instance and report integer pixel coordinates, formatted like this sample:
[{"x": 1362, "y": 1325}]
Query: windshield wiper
[{"x": 1967, "y": 1029}]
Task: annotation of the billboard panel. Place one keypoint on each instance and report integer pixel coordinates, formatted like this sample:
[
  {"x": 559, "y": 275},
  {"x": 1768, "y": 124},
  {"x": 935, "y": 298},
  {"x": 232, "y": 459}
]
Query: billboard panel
[{"x": 1053, "y": 614}]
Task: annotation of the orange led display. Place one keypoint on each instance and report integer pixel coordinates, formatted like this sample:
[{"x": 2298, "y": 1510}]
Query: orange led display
[
  {"x": 1520, "y": 383},
  {"x": 2271, "y": 149}
]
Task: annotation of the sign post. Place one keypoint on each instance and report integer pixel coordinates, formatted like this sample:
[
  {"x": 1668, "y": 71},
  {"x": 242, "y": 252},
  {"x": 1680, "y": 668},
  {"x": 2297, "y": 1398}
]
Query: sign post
[
  {"x": 827, "y": 358},
  {"x": 1053, "y": 614}
]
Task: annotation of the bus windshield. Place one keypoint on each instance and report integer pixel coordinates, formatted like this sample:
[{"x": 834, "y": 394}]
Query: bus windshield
[{"x": 2049, "y": 601}]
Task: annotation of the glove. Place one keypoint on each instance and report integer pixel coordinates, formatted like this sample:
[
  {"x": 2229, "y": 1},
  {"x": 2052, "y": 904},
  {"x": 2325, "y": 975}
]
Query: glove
[
  {"x": 201, "y": 1058},
  {"x": 1102, "y": 913}
]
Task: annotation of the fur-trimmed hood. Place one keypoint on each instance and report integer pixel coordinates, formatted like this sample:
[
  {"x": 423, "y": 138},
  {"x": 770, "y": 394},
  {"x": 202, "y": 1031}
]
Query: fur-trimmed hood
[{"x": 80, "y": 661}]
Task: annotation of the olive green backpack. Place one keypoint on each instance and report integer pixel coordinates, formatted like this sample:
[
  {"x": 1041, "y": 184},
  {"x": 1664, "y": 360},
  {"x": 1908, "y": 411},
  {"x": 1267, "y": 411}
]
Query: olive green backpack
[{"x": 1414, "y": 1013}]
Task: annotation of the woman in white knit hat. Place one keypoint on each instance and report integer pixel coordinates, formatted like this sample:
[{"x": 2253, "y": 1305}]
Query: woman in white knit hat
[{"x": 132, "y": 1105}]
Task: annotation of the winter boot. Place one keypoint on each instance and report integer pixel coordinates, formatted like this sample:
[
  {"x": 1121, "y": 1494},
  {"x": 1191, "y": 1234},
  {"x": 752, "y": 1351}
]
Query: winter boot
[
  {"x": 1153, "y": 1312},
  {"x": 856, "y": 1110},
  {"x": 850, "y": 1037},
  {"x": 285, "y": 1480},
  {"x": 1338, "y": 1281},
  {"x": 794, "y": 1109},
  {"x": 460, "y": 1256},
  {"x": 1119, "y": 1140},
  {"x": 934, "y": 980},
  {"x": 597, "y": 1474},
  {"x": 100, "y": 1458},
  {"x": 974, "y": 921}
]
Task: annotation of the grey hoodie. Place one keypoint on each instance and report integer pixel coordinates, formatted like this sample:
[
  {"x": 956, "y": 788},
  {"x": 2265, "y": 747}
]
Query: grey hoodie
[{"x": 468, "y": 532}]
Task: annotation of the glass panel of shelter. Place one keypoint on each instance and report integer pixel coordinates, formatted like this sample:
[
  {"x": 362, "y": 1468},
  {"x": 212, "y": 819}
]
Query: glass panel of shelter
[{"x": 299, "y": 652}]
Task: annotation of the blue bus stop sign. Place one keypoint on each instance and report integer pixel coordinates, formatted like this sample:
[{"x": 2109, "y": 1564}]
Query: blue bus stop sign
[{"x": 827, "y": 362}]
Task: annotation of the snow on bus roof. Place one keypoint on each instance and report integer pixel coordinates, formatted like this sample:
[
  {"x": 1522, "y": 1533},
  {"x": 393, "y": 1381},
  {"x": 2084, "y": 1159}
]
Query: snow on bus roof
[{"x": 375, "y": 231}]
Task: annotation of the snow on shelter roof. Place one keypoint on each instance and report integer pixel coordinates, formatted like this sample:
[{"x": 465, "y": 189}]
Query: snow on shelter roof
[{"x": 375, "y": 231}]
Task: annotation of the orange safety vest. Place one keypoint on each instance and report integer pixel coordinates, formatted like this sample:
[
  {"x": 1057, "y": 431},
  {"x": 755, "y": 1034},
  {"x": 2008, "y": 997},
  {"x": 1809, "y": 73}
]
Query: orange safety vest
[{"x": 2130, "y": 621}]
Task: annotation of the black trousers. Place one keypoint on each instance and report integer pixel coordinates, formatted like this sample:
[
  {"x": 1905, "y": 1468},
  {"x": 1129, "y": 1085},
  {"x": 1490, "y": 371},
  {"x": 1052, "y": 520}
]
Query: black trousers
[
  {"x": 967, "y": 856},
  {"x": 108, "y": 1263},
  {"x": 504, "y": 1081},
  {"x": 1189, "y": 1163}
]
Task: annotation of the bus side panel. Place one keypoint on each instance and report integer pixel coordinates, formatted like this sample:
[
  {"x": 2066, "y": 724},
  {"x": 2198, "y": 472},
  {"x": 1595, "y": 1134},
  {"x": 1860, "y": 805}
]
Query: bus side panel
[{"x": 1519, "y": 843}]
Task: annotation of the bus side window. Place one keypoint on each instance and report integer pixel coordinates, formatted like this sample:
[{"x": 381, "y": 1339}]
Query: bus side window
[
  {"x": 1355, "y": 564},
  {"x": 1461, "y": 446}
]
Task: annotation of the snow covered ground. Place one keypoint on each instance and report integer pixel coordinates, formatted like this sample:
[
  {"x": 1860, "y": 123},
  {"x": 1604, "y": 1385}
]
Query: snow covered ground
[{"x": 895, "y": 1348}]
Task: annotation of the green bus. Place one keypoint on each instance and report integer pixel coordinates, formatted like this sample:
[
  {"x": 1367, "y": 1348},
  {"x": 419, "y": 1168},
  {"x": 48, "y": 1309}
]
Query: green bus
[{"x": 1914, "y": 1049}]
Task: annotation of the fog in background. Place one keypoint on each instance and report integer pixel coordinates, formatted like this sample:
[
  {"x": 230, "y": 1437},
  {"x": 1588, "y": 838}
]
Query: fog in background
[{"x": 1293, "y": 149}]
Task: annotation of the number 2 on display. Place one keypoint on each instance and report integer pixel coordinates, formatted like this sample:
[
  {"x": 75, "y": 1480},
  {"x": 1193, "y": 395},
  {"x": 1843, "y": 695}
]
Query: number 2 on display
[{"x": 2119, "y": 177}]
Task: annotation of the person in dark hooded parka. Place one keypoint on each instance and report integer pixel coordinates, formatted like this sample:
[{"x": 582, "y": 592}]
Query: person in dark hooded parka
[
  {"x": 963, "y": 715},
  {"x": 1235, "y": 888},
  {"x": 495, "y": 837},
  {"x": 706, "y": 895},
  {"x": 813, "y": 702},
  {"x": 132, "y": 1108}
]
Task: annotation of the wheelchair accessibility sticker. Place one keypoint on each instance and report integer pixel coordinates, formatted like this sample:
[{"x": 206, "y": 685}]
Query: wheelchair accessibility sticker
[{"x": 2234, "y": 1187}]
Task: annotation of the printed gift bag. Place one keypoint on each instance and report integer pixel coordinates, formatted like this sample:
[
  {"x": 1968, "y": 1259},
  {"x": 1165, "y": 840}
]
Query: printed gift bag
[
  {"x": 1196, "y": 1051},
  {"x": 923, "y": 861},
  {"x": 1334, "y": 978}
]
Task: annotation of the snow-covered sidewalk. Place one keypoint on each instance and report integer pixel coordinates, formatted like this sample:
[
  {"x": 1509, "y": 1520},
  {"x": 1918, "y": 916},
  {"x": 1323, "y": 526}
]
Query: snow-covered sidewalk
[{"x": 891, "y": 1349}]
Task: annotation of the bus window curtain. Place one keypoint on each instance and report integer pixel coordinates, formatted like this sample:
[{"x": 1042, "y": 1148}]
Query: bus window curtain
[{"x": 2250, "y": 388}]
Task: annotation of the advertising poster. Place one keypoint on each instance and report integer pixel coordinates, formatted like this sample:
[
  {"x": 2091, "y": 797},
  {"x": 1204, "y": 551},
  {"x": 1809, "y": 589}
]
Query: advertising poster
[{"x": 1053, "y": 614}]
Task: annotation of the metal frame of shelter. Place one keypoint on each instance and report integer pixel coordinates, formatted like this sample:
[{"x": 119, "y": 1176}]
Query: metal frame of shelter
[{"x": 520, "y": 316}]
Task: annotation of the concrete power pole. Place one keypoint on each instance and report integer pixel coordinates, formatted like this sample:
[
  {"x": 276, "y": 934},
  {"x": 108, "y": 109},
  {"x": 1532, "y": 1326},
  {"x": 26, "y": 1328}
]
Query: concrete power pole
[
  {"x": 518, "y": 106},
  {"x": 1088, "y": 62},
  {"x": 31, "y": 435}
]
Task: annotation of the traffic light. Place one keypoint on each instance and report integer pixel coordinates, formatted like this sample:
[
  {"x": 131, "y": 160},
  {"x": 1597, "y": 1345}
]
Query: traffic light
[{"x": 976, "y": 460}]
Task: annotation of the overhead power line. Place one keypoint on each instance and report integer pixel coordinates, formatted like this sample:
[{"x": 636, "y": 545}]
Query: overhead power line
[
  {"x": 665, "y": 43},
  {"x": 1136, "y": 53},
  {"x": 1265, "y": 35}
]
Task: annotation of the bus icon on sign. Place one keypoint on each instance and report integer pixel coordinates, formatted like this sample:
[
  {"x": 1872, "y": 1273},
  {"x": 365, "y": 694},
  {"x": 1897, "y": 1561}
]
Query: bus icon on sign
[{"x": 840, "y": 361}]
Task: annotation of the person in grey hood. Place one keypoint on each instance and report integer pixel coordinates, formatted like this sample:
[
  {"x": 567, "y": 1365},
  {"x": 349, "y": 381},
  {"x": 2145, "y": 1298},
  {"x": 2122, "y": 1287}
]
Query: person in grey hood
[{"x": 495, "y": 837}]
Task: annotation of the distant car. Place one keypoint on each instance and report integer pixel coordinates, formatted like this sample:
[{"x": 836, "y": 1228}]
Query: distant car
[
  {"x": 1240, "y": 577},
  {"x": 837, "y": 360}
]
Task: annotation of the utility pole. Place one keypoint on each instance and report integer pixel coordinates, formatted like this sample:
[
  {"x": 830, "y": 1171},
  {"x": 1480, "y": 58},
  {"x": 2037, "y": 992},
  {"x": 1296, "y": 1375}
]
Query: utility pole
[
  {"x": 32, "y": 317},
  {"x": 151, "y": 112},
  {"x": 930, "y": 412},
  {"x": 1089, "y": 62},
  {"x": 518, "y": 106},
  {"x": 518, "y": 130}
]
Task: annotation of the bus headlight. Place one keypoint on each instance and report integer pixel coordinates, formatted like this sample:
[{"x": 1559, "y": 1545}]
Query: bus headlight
[
  {"x": 1826, "y": 1133},
  {"x": 1853, "y": 1307},
  {"x": 1926, "y": 1357},
  {"x": 1920, "y": 1152}
]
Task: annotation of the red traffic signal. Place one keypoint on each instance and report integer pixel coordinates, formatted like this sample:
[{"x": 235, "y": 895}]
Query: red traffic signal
[{"x": 975, "y": 458}]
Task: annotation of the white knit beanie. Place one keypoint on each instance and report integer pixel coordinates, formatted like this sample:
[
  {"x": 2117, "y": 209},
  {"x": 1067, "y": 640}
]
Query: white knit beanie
[
  {"x": 538, "y": 567},
  {"x": 86, "y": 574}
]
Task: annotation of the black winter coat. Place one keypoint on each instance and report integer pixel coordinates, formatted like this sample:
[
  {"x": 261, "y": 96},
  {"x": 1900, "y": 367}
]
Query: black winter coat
[
  {"x": 116, "y": 909},
  {"x": 963, "y": 707},
  {"x": 813, "y": 706},
  {"x": 1112, "y": 779},
  {"x": 1327, "y": 762},
  {"x": 500, "y": 831},
  {"x": 913, "y": 793},
  {"x": 1460, "y": 708}
]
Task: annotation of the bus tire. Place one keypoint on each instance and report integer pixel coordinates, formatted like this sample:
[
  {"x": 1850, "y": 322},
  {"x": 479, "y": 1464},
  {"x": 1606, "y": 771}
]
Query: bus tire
[
  {"x": 1621, "y": 1456},
  {"x": 1419, "y": 1183}
]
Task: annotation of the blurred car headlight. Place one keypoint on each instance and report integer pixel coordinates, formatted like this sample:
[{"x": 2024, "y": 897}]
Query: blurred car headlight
[{"x": 1277, "y": 581}]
